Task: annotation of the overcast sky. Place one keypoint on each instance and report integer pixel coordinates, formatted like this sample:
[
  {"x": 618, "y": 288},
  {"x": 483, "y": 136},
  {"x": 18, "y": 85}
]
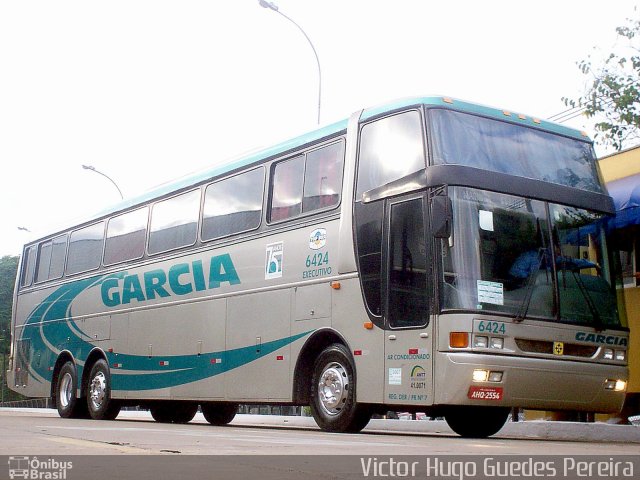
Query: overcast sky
[{"x": 147, "y": 91}]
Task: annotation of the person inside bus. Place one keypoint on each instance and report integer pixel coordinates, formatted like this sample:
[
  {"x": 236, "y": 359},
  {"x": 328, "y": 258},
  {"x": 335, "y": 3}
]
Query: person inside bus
[{"x": 532, "y": 261}]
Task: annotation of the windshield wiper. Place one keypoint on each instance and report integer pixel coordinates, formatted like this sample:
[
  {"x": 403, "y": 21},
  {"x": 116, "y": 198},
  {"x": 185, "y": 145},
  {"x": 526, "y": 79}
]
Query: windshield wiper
[
  {"x": 530, "y": 284},
  {"x": 597, "y": 319}
]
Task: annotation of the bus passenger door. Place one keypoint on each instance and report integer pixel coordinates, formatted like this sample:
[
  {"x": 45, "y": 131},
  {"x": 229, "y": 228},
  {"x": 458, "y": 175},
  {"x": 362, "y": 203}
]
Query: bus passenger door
[{"x": 407, "y": 284}]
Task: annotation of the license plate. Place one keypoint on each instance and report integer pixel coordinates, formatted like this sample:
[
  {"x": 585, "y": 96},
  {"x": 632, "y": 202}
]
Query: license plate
[{"x": 485, "y": 393}]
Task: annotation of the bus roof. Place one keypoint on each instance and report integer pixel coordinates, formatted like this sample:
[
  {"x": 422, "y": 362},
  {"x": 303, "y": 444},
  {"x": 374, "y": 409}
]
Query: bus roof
[{"x": 334, "y": 129}]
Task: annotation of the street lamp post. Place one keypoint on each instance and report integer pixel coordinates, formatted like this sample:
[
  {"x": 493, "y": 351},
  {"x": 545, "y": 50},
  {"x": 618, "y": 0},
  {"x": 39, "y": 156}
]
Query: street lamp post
[
  {"x": 274, "y": 7},
  {"x": 3, "y": 371},
  {"x": 93, "y": 169}
]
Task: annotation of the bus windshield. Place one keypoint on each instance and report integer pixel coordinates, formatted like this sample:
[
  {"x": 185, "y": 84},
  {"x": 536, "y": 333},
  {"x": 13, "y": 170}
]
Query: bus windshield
[
  {"x": 528, "y": 258},
  {"x": 470, "y": 140}
]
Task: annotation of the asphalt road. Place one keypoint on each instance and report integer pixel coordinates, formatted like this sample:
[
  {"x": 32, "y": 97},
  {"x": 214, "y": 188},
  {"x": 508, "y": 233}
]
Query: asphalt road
[
  {"x": 42, "y": 432},
  {"x": 37, "y": 444}
]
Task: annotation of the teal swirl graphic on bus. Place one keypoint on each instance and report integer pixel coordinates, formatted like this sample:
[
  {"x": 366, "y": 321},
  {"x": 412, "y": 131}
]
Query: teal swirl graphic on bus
[{"x": 52, "y": 328}]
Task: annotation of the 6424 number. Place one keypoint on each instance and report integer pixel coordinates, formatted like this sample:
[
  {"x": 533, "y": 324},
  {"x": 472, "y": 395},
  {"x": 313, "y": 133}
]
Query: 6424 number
[
  {"x": 492, "y": 327},
  {"x": 317, "y": 260}
]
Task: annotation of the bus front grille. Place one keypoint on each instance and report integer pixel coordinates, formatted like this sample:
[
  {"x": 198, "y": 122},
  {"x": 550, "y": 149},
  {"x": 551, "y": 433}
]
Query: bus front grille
[{"x": 546, "y": 347}]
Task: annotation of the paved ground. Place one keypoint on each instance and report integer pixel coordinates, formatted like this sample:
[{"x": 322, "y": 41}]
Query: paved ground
[
  {"x": 275, "y": 447},
  {"x": 41, "y": 431}
]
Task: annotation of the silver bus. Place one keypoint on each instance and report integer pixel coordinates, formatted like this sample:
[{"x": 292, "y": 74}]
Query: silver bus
[{"x": 428, "y": 255}]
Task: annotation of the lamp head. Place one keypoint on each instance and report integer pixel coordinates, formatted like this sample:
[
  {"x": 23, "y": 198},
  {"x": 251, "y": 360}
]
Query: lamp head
[{"x": 270, "y": 5}]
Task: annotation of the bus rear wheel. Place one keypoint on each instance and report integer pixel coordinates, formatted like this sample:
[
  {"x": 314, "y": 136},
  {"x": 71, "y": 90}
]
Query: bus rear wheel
[
  {"x": 99, "y": 402},
  {"x": 68, "y": 405},
  {"x": 219, "y": 413},
  {"x": 173, "y": 412},
  {"x": 333, "y": 392},
  {"x": 476, "y": 422}
]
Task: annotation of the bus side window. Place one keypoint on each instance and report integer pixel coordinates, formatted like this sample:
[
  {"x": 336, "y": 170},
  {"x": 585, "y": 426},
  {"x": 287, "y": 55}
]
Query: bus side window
[
  {"x": 286, "y": 197},
  {"x": 51, "y": 256},
  {"x": 28, "y": 266},
  {"x": 85, "y": 248},
  {"x": 233, "y": 205},
  {"x": 390, "y": 148},
  {"x": 308, "y": 182},
  {"x": 323, "y": 177},
  {"x": 44, "y": 259},
  {"x": 126, "y": 235},
  {"x": 174, "y": 222}
]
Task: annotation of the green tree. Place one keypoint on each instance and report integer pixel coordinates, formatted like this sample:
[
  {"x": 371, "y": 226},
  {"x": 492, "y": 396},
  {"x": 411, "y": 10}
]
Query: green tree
[
  {"x": 612, "y": 95},
  {"x": 8, "y": 270}
]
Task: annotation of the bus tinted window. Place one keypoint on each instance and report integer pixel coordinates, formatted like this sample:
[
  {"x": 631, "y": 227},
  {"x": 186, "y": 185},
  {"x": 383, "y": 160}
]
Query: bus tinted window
[
  {"x": 58, "y": 253},
  {"x": 286, "y": 200},
  {"x": 51, "y": 256},
  {"x": 28, "y": 266},
  {"x": 390, "y": 148},
  {"x": 174, "y": 222},
  {"x": 307, "y": 183},
  {"x": 464, "y": 139},
  {"x": 126, "y": 235},
  {"x": 44, "y": 259},
  {"x": 323, "y": 177},
  {"x": 85, "y": 248},
  {"x": 233, "y": 205}
]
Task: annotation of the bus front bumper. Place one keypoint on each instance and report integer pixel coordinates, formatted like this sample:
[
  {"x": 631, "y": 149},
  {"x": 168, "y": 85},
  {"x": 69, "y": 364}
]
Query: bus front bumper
[{"x": 534, "y": 383}]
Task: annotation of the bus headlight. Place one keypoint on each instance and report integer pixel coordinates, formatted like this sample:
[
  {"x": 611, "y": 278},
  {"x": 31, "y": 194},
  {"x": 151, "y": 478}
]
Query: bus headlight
[
  {"x": 497, "y": 342},
  {"x": 608, "y": 354},
  {"x": 481, "y": 342},
  {"x": 480, "y": 375},
  {"x": 621, "y": 355},
  {"x": 615, "y": 385}
]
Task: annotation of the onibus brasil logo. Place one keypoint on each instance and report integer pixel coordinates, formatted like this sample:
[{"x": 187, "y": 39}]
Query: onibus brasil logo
[{"x": 36, "y": 469}]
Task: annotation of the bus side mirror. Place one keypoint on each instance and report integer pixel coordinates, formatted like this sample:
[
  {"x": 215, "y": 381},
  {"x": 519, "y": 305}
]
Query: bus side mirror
[{"x": 441, "y": 216}]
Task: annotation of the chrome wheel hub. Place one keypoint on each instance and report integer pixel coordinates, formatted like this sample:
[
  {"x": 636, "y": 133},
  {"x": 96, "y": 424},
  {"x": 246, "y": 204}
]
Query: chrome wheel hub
[
  {"x": 66, "y": 390},
  {"x": 333, "y": 388},
  {"x": 98, "y": 390}
]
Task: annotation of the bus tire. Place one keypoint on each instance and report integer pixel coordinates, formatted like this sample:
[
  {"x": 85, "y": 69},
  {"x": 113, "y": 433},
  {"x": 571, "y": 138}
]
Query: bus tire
[
  {"x": 333, "y": 393},
  {"x": 101, "y": 405},
  {"x": 68, "y": 405},
  {"x": 219, "y": 413},
  {"x": 173, "y": 412},
  {"x": 476, "y": 422}
]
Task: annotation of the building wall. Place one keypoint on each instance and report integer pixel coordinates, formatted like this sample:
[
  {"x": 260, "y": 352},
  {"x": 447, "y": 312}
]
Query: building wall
[{"x": 615, "y": 167}]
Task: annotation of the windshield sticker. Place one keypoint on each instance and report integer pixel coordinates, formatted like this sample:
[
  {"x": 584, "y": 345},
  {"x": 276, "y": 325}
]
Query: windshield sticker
[
  {"x": 485, "y": 219},
  {"x": 490, "y": 292}
]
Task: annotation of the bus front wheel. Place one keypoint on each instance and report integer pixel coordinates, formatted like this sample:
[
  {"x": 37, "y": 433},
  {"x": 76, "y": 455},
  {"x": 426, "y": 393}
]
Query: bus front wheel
[
  {"x": 333, "y": 392},
  {"x": 101, "y": 405},
  {"x": 219, "y": 413},
  {"x": 68, "y": 405},
  {"x": 476, "y": 422}
]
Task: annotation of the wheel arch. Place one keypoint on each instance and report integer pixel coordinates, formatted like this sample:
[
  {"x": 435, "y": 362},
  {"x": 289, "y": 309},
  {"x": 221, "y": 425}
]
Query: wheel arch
[{"x": 303, "y": 372}]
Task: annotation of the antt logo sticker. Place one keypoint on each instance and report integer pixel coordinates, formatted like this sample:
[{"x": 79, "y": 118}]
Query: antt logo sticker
[{"x": 273, "y": 260}]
